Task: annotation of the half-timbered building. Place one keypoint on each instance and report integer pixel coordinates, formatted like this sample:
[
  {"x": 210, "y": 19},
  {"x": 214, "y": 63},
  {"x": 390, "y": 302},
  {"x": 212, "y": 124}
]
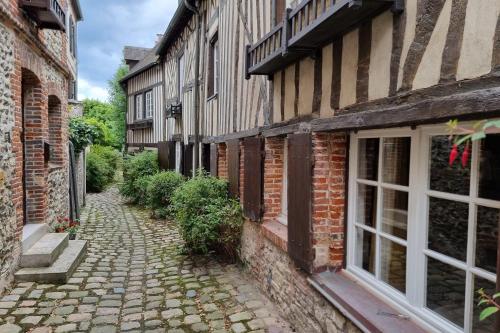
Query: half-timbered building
[{"x": 328, "y": 119}]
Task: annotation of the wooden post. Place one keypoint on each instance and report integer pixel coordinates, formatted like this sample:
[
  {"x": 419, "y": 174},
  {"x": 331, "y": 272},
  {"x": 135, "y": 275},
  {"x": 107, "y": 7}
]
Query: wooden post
[{"x": 498, "y": 276}]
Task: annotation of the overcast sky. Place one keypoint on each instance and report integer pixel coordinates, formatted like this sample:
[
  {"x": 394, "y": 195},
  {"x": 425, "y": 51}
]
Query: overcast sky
[{"x": 107, "y": 27}]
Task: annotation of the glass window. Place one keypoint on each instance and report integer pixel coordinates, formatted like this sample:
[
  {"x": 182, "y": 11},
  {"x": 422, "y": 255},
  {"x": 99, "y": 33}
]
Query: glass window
[
  {"x": 149, "y": 104},
  {"x": 139, "y": 107},
  {"x": 427, "y": 229}
]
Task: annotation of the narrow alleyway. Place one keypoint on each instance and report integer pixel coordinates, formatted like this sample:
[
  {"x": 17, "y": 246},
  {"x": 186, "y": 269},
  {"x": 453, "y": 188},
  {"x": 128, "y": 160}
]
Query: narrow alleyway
[{"x": 135, "y": 279}]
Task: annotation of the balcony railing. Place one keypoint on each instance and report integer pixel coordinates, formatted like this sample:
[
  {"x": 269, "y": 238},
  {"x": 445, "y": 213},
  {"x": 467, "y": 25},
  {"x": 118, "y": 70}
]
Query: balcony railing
[
  {"x": 307, "y": 28},
  {"x": 48, "y": 14}
]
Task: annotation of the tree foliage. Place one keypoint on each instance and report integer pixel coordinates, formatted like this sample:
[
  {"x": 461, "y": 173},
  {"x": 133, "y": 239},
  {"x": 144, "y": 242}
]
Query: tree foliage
[{"x": 81, "y": 133}]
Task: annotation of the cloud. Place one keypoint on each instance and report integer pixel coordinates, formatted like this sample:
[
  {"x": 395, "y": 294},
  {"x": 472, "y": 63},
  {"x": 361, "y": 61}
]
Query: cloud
[
  {"x": 91, "y": 91},
  {"x": 110, "y": 25}
]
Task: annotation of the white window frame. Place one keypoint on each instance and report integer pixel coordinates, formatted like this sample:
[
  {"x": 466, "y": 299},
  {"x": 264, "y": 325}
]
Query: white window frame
[
  {"x": 139, "y": 107},
  {"x": 148, "y": 96},
  {"x": 283, "y": 218},
  {"x": 413, "y": 303}
]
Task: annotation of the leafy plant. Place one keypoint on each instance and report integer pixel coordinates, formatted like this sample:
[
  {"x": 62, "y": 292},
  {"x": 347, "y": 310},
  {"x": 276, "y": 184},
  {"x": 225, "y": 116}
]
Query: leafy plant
[
  {"x": 134, "y": 168},
  {"x": 81, "y": 133},
  {"x": 492, "y": 306},
  {"x": 109, "y": 154},
  {"x": 140, "y": 195},
  {"x": 161, "y": 189},
  {"x": 208, "y": 219},
  {"x": 99, "y": 173},
  {"x": 66, "y": 225}
]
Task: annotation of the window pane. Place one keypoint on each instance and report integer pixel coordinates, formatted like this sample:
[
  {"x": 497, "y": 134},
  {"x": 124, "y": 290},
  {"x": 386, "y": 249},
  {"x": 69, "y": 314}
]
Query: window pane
[
  {"x": 367, "y": 205},
  {"x": 444, "y": 178},
  {"x": 487, "y": 238},
  {"x": 489, "y": 174},
  {"x": 368, "y": 159},
  {"x": 365, "y": 251},
  {"x": 393, "y": 264},
  {"x": 396, "y": 161},
  {"x": 448, "y": 221},
  {"x": 446, "y": 291},
  {"x": 395, "y": 213},
  {"x": 487, "y": 325}
]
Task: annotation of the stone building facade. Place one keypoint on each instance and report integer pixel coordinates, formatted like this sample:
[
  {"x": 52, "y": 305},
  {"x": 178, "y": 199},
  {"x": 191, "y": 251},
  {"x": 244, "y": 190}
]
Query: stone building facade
[{"x": 35, "y": 74}]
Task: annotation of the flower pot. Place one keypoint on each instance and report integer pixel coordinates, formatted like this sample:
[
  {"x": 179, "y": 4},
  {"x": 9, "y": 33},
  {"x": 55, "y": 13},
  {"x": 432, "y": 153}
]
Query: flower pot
[{"x": 72, "y": 236}]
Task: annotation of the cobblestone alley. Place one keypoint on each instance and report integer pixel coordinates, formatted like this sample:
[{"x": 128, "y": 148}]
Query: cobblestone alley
[{"x": 135, "y": 279}]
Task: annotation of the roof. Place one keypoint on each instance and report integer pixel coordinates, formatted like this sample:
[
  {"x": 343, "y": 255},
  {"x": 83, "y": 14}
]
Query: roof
[
  {"x": 181, "y": 18},
  {"x": 78, "y": 9},
  {"x": 149, "y": 60},
  {"x": 135, "y": 53}
]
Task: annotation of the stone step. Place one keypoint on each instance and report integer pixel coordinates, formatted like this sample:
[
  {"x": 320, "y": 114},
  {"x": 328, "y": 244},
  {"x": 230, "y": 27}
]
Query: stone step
[
  {"x": 60, "y": 271},
  {"x": 32, "y": 233},
  {"x": 44, "y": 252}
]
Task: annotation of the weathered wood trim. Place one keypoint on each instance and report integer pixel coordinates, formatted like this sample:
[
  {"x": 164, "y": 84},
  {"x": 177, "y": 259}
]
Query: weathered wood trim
[
  {"x": 318, "y": 83},
  {"x": 398, "y": 35},
  {"x": 142, "y": 145},
  {"x": 282, "y": 105},
  {"x": 336, "y": 73},
  {"x": 138, "y": 92},
  {"x": 467, "y": 105},
  {"x": 237, "y": 135},
  {"x": 428, "y": 13},
  {"x": 297, "y": 89},
  {"x": 364, "y": 51},
  {"x": 453, "y": 46}
]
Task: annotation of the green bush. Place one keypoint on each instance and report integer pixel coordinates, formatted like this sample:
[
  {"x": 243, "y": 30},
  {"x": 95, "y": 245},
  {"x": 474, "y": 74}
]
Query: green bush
[
  {"x": 140, "y": 195},
  {"x": 135, "y": 167},
  {"x": 81, "y": 133},
  {"x": 102, "y": 163},
  {"x": 99, "y": 173},
  {"x": 161, "y": 189},
  {"x": 111, "y": 155},
  {"x": 208, "y": 219}
]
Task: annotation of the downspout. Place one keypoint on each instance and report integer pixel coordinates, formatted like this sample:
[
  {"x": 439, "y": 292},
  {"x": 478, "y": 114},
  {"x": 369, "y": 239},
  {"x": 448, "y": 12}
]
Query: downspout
[{"x": 194, "y": 9}]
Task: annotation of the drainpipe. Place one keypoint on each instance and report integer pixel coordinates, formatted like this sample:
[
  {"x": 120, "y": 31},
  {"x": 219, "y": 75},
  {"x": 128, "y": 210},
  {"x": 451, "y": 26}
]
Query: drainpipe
[{"x": 194, "y": 9}]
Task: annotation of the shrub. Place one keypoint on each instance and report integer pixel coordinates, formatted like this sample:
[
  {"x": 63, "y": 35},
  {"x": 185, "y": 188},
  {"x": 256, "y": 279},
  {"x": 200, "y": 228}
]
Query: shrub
[
  {"x": 102, "y": 163},
  {"x": 99, "y": 173},
  {"x": 109, "y": 154},
  {"x": 135, "y": 167},
  {"x": 208, "y": 219},
  {"x": 161, "y": 189},
  {"x": 140, "y": 195},
  {"x": 81, "y": 133}
]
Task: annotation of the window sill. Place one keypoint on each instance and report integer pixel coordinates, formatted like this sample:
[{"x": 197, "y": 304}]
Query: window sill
[
  {"x": 277, "y": 233},
  {"x": 367, "y": 311}
]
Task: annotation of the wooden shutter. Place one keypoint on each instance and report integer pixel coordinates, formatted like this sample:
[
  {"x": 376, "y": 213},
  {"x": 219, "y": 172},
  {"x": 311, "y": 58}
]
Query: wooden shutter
[
  {"x": 205, "y": 157},
  {"x": 253, "y": 176},
  {"x": 299, "y": 200},
  {"x": 213, "y": 160},
  {"x": 163, "y": 155},
  {"x": 233, "y": 167},
  {"x": 171, "y": 155},
  {"x": 188, "y": 160}
]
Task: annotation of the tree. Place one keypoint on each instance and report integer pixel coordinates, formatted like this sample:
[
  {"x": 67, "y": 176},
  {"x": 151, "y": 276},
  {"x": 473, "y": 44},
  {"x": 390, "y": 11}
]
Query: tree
[{"x": 118, "y": 101}]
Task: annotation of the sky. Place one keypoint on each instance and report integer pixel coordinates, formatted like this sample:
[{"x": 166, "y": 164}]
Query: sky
[{"x": 108, "y": 26}]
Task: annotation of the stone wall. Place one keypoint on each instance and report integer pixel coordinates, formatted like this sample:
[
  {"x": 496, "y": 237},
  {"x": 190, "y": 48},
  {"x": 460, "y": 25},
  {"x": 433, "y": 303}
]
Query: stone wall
[
  {"x": 279, "y": 278},
  {"x": 58, "y": 195},
  {"x": 9, "y": 235}
]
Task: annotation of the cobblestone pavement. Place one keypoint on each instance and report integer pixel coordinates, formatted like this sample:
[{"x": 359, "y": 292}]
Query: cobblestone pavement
[{"x": 135, "y": 279}]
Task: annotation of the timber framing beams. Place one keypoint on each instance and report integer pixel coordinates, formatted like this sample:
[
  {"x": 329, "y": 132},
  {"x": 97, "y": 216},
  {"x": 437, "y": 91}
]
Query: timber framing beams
[{"x": 466, "y": 100}]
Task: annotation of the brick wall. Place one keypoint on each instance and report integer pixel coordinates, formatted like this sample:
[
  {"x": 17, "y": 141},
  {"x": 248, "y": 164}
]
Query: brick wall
[
  {"x": 328, "y": 206},
  {"x": 273, "y": 177},
  {"x": 222, "y": 160}
]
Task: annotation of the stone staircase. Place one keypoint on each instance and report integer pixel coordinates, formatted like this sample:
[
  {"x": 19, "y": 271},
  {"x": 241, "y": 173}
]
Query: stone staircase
[{"x": 48, "y": 257}]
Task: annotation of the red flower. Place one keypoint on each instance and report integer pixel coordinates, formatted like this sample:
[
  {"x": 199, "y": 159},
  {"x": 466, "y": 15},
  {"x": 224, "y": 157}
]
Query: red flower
[
  {"x": 453, "y": 154},
  {"x": 465, "y": 156}
]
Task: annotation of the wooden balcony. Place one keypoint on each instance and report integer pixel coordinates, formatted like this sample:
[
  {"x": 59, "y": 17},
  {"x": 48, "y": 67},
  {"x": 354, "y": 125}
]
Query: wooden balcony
[
  {"x": 48, "y": 14},
  {"x": 307, "y": 28}
]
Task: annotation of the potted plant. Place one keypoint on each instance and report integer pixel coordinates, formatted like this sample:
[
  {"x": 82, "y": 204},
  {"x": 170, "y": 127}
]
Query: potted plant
[{"x": 67, "y": 225}]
